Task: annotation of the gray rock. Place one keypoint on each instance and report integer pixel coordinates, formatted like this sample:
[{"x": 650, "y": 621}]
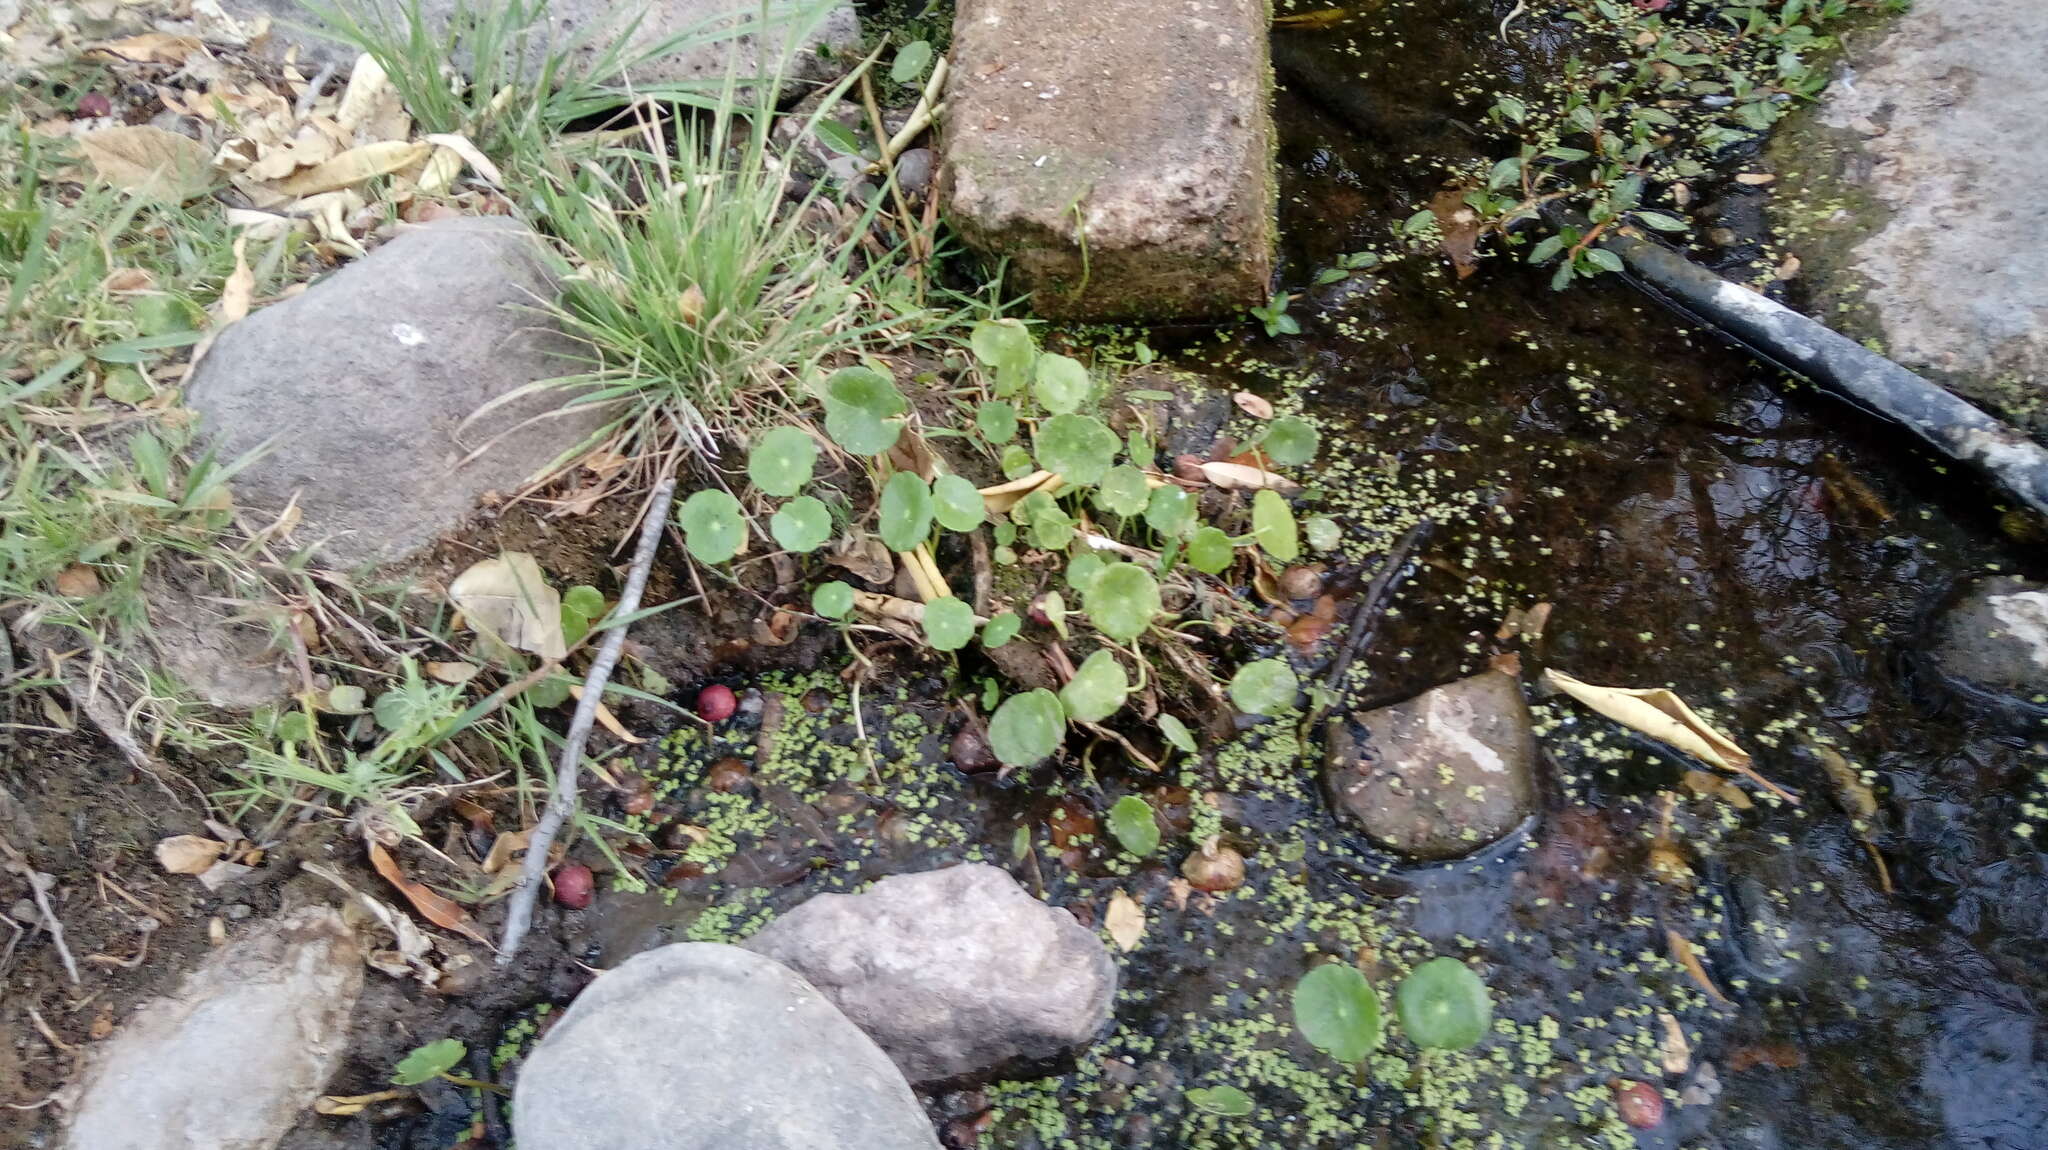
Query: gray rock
[
  {"x": 1143, "y": 129},
  {"x": 1185, "y": 424},
  {"x": 800, "y": 26},
  {"x": 914, "y": 171},
  {"x": 1442, "y": 774},
  {"x": 232, "y": 1060},
  {"x": 698, "y": 1045},
  {"x": 1957, "y": 88},
  {"x": 955, "y": 972},
  {"x": 1996, "y": 637},
  {"x": 363, "y": 381}
]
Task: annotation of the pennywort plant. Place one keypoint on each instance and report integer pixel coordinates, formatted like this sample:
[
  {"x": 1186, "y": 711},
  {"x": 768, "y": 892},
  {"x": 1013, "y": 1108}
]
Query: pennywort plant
[{"x": 1130, "y": 543}]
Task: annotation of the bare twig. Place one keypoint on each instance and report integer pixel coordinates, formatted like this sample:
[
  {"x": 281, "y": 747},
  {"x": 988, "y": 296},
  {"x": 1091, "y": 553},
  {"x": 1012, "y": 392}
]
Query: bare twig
[
  {"x": 519, "y": 917},
  {"x": 44, "y": 911},
  {"x": 1366, "y": 615}
]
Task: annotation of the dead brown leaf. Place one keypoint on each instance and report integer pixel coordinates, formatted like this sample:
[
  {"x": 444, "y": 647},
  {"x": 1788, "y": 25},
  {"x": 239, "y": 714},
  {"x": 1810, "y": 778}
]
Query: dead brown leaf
[
  {"x": 454, "y": 673},
  {"x": 78, "y": 581},
  {"x": 777, "y": 630},
  {"x": 1125, "y": 921},
  {"x": 867, "y": 557},
  {"x": 605, "y": 718},
  {"x": 148, "y": 48},
  {"x": 1242, "y": 477},
  {"x": 355, "y": 166},
  {"x": 239, "y": 291},
  {"x": 1683, "y": 953},
  {"x": 1663, "y": 716},
  {"x": 348, "y": 1105},
  {"x": 440, "y": 911},
  {"x": 1460, "y": 228},
  {"x": 188, "y": 854},
  {"x": 149, "y": 162},
  {"x": 1256, "y": 406}
]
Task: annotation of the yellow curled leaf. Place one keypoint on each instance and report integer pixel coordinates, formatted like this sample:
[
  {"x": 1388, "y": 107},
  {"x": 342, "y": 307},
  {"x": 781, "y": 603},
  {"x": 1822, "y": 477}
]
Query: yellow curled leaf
[
  {"x": 1663, "y": 716},
  {"x": 354, "y": 167},
  {"x": 1003, "y": 496}
]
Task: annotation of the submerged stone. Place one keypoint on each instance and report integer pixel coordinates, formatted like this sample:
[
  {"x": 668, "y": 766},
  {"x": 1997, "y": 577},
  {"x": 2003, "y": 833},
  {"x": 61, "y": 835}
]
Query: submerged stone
[
  {"x": 1994, "y": 639},
  {"x": 1440, "y": 775},
  {"x": 699, "y": 1046},
  {"x": 955, "y": 972},
  {"x": 1118, "y": 155}
]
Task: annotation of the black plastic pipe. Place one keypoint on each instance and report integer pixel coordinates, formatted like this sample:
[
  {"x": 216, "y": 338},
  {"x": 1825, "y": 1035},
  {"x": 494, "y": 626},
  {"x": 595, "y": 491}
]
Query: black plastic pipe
[
  {"x": 1771, "y": 331},
  {"x": 1807, "y": 348}
]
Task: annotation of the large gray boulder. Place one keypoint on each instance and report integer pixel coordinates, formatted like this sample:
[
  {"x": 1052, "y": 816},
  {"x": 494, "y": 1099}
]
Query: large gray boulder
[
  {"x": 361, "y": 385},
  {"x": 1440, "y": 775},
  {"x": 1948, "y": 106},
  {"x": 234, "y": 1058},
  {"x": 685, "y": 41},
  {"x": 698, "y": 1046},
  {"x": 956, "y": 973},
  {"x": 1120, "y": 155}
]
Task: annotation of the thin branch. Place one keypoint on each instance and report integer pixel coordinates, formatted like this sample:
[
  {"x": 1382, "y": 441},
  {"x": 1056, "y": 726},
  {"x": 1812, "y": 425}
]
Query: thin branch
[
  {"x": 563, "y": 801},
  {"x": 1365, "y": 617}
]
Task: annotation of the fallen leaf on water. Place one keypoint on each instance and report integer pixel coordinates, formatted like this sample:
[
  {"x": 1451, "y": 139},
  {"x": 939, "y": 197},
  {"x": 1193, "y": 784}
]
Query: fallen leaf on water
[
  {"x": 149, "y": 162},
  {"x": 1675, "y": 1053},
  {"x": 1707, "y": 785},
  {"x": 1240, "y": 477},
  {"x": 509, "y": 599},
  {"x": 188, "y": 854},
  {"x": 440, "y": 911},
  {"x": 347, "y": 1105},
  {"x": 1663, "y": 716},
  {"x": 1755, "y": 179},
  {"x": 1858, "y": 800},
  {"x": 1256, "y": 406},
  {"x": 1777, "y": 1055},
  {"x": 1125, "y": 921},
  {"x": 1460, "y": 227},
  {"x": 1322, "y": 18},
  {"x": 1683, "y": 953}
]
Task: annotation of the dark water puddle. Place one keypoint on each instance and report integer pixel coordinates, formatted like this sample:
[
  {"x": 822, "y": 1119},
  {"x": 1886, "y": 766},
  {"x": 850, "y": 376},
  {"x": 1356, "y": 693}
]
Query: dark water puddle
[{"x": 1697, "y": 523}]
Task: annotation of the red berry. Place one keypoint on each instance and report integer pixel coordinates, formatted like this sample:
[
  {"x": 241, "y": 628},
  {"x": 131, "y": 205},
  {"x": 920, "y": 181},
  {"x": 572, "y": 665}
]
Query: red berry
[
  {"x": 93, "y": 105},
  {"x": 573, "y": 885},
  {"x": 715, "y": 704},
  {"x": 1640, "y": 1104}
]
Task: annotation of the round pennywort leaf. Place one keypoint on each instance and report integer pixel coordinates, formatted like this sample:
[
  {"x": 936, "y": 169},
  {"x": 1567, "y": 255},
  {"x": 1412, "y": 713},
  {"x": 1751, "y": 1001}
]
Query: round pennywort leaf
[
  {"x": 1264, "y": 687},
  {"x": 1027, "y": 727},
  {"x": 1273, "y": 525},
  {"x": 1210, "y": 550},
  {"x": 860, "y": 409},
  {"x": 1096, "y": 690},
  {"x": 1290, "y": 441},
  {"x": 1001, "y": 343},
  {"x": 957, "y": 504},
  {"x": 428, "y": 1062},
  {"x": 832, "y": 599},
  {"x": 1443, "y": 1004},
  {"x": 781, "y": 461},
  {"x": 1060, "y": 383},
  {"x": 1176, "y": 732},
  {"x": 1132, "y": 822},
  {"x": 712, "y": 527},
  {"x": 1079, "y": 447},
  {"x": 1122, "y": 601},
  {"x": 948, "y": 623},
  {"x": 906, "y": 511},
  {"x": 1170, "y": 511},
  {"x": 1000, "y": 629},
  {"x": 997, "y": 420},
  {"x": 1337, "y": 1011},
  {"x": 802, "y": 525},
  {"x": 1122, "y": 490}
]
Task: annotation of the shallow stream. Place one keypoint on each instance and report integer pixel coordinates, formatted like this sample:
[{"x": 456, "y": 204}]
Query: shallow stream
[{"x": 1697, "y": 522}]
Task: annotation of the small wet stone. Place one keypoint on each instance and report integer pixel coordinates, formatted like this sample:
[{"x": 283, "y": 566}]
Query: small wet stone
[
  {"x": 955, "y": 972},
  {"x": 1440, "y": 775}
]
